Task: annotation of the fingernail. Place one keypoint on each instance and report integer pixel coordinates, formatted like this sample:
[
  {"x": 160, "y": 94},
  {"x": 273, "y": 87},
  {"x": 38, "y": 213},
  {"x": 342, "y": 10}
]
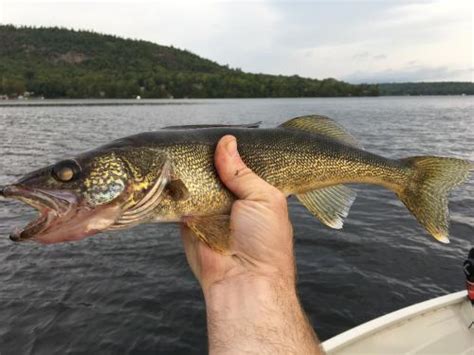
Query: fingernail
[{"x": 231, "y": 147}]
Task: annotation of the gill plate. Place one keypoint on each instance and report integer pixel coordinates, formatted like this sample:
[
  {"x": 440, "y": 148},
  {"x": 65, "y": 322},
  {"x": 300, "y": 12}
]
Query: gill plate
[{"x": 145, "y": 207}]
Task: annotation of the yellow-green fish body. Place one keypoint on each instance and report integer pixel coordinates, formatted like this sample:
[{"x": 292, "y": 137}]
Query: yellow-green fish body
[{"x": 169, "y": 176}]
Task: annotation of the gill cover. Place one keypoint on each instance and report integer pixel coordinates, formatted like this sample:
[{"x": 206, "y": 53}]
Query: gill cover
[
  {"x": 105, "y": 180},
  {"x": 152, "y": 178}
]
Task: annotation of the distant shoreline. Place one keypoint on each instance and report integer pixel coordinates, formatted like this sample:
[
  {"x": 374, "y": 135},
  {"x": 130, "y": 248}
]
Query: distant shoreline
[
  {"x": 65, "y": 102},
  {"x": 57, "y": 63}
]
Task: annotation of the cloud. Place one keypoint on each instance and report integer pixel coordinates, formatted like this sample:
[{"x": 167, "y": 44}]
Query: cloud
[
  {"x": 361, "y": 55},
  {"x": 379, "y": 37},
  {"x": 368, "y": 56},
  {"x": 356, "y": 39},
  {"x": 379, "y": 57},
  {"x": 415, "y": 74}
]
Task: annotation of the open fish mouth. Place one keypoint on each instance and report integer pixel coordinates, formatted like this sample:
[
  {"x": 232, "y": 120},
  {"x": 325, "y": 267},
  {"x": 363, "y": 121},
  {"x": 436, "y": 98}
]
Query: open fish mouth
[
  {"x": 62, "y": 216},
  {"x": 54, "y": 209}
]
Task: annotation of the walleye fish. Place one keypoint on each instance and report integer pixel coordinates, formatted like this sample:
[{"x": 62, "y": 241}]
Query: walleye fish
[{"x": 169, "y": 176}]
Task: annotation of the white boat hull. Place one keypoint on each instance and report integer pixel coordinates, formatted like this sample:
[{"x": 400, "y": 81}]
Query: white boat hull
[{"x": 442, "y": 325}]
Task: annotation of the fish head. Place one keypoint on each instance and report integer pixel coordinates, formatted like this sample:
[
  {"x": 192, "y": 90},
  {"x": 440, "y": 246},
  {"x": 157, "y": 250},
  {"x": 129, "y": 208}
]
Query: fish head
[{"x": 75, "y": 198}]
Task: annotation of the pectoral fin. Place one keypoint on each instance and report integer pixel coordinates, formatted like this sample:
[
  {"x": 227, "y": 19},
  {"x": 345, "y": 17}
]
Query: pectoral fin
[
  {"x": 330, "y": 204},
  {"x": 177, "y": 190},
  {"x": 212, "y": 230}
]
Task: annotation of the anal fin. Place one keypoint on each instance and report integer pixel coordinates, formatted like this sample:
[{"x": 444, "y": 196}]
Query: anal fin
[
  {"x": 212, "y": 230},
  {"x": 330, "y": 204}
]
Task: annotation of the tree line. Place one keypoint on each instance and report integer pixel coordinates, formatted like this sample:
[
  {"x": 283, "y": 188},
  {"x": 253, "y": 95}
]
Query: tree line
[
  {"x": 427, "y": 88},
  {"x": 62, "y": 63}
]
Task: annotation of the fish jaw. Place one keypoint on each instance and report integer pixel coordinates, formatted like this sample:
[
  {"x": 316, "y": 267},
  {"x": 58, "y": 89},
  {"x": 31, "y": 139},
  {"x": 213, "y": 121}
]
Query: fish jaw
[{"x": 62, "y": 215}]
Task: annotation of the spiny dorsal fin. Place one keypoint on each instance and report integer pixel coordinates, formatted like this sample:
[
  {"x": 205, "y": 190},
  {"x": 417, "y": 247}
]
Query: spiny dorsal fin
[
  {"x": 330, "y": 204},
  {"x": 197, "y": 126},
  {"x": 324, "y": 126}
]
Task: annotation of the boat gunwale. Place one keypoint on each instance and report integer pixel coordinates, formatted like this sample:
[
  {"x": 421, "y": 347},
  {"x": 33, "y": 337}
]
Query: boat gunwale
[{"x": 381, "y": 323}]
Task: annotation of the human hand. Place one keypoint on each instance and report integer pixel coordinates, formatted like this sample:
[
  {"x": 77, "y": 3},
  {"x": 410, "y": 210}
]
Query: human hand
[
  {"x": 261, "y": 237},
  {"x": 250, "y": 293}
]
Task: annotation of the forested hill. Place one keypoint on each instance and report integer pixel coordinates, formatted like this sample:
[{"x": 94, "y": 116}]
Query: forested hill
[
  {"x": 428, "y": 88},
  {"x": 56, "y": 62}
]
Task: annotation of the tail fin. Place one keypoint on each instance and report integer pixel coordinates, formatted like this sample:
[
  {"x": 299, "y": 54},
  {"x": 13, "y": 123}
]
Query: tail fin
[{"x": 426, "y": 196}]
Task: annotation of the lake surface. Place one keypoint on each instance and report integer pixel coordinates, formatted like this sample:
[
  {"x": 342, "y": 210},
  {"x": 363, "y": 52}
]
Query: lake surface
[{"x": 132, "y": 292}]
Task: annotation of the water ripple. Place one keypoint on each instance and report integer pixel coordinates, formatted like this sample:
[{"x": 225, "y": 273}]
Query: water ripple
[{"x": 132, "y": 292}]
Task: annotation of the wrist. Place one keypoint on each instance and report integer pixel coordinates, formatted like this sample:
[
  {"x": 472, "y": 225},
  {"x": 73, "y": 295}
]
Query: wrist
[
  {"x": 249, "y": 312},
  {"x": 243, "y": 294}
]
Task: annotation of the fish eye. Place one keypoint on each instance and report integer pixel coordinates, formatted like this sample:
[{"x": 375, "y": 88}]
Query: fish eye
[{"x": 66, "y": 170}]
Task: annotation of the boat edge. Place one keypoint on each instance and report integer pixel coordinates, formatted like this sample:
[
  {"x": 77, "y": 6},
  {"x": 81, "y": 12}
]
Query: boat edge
[{"x": 378, "y": 324}]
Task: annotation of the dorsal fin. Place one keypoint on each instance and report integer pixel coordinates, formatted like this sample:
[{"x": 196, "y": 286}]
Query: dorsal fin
[
  {"x": 324, "y": 126},
  {"x": 196, "y": 126}
]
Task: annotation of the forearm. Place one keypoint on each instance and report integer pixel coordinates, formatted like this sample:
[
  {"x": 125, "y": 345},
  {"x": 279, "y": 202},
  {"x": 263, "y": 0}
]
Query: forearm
[{"x": 257, "y": 315}]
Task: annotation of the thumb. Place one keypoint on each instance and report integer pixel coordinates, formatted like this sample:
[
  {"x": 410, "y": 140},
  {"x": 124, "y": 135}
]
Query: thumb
[{"x": 235, "y": 175}]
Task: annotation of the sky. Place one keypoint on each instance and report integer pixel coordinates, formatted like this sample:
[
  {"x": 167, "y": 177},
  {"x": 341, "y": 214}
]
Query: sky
[{"x": 352, "y": 40}]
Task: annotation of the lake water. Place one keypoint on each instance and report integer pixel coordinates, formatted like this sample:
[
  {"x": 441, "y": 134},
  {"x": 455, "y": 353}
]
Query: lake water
[{"x": 132, "y": 292}]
